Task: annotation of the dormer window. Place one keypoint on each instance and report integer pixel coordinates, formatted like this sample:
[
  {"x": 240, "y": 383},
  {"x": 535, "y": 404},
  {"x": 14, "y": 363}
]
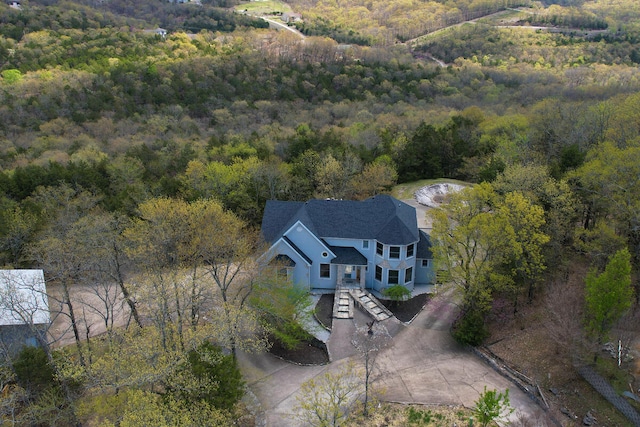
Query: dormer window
[
  {"x": 394, "y": 252},
  {"x": 365, "y": 244}
]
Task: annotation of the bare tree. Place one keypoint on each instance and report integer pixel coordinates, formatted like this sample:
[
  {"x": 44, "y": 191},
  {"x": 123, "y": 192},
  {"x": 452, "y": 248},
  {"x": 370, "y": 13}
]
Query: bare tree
[
  {"x": 564, "y": 301},
  {"x": 369, "y": 341},
  {"x": 60, "y": 249}
]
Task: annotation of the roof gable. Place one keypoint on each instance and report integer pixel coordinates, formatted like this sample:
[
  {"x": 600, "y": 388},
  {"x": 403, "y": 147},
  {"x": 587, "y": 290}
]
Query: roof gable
[
  {"x": 277, "y": 215},
  {"x": 381, "y": 217},
  {"x": 297, "y": 250}
]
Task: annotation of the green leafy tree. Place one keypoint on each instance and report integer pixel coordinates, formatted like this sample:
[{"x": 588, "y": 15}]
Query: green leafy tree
[
  {"x": 527, "y": 264},
  {"x": 17, "y": 228},
  {"x": 283, "y": 306},
  {"x": 471, "y": 329},
  {"x": 211, "y": 377},
  {"x": 397, "y": 293},
  {"x": 140, "y": 408},
  {"x": 376, "y": 177},
  {"x": 12, "y": 76},
  {"x": 32, "y": 369},
  {"x": 559, "y": 202},
  {"x": 327, "y": 400},
  {"x": 192, "y": 254},
  {"x": 492, "y": 406},
  {"x": 472, "y": 240},
  {"x": 607, "y": 183},
  {"x": 599, "y": 243},
  {"x": 487, "y": 243},
  {"x": 609, "y": 294}
]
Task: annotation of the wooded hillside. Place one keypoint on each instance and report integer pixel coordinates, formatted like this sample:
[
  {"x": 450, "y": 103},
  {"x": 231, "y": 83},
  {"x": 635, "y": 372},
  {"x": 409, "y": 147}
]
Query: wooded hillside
[{"x": 106, "y": 125}]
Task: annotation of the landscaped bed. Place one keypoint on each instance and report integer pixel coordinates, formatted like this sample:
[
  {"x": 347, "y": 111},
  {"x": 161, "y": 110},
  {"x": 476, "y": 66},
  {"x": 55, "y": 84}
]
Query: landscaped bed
[
  {"x": 311, "y": 351},
  {"x": 405, "y": 311},
  {"x": 314, "y": 352},
  {"x": 324, "y": 311}
]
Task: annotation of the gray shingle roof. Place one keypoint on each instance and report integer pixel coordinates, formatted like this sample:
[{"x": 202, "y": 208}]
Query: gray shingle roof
[
  {"x": 381, "y": 217},
  {"x": 297, "y": 249},
  {"x": 347, "y": 256},
  {"x": 277, "y": 215},
  {"x": 424, "y": 246}
]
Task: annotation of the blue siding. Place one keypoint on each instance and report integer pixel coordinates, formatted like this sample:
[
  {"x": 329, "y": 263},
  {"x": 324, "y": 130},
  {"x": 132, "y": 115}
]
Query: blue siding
[
  {"x": 369, "y": 253},
  {"x": 301, "y": 270},
  {"x": 314, "y": 249},
  {"x": 424, "y": 275}
]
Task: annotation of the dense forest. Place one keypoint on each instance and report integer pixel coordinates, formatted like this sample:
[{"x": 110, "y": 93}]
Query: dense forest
[{"x": 112, "y": 130}]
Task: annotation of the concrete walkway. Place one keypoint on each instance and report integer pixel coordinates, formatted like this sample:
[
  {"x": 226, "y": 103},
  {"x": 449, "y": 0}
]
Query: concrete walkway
[{"x": 423, "y": 364}]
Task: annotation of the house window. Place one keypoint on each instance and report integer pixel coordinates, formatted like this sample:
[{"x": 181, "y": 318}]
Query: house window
[
  {"x": 410, "y": 251},
  {"x": 394, "y": 252},
  {"x": 325, "y": 270},
  {"x": 379, "y": 248},
  {"x": 285, "y": 272},
  {"x": 393, "y": 277},
  {"x": 365, "y": 244},
  {"x": 408, "y": 275},
  {"x": 378, "y": 273},
  {"x": 324, "y": 254},
  {"x": 425, "y": 263}
]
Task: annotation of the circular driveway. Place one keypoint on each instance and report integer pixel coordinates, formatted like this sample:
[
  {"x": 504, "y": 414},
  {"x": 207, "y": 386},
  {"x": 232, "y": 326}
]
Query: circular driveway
[{"x": 422, "y": 365}]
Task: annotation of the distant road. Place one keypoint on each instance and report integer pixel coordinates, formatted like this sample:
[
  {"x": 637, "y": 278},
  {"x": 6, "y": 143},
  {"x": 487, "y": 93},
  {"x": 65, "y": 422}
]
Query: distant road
[
  {"x": 428, "y": 56},
  {"x": 278, "y": 25},
  {"x": 281, "y": 26}
]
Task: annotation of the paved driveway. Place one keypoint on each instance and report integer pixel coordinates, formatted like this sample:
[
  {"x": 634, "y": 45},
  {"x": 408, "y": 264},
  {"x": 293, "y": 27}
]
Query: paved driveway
[{"x": 422, "y": 365}]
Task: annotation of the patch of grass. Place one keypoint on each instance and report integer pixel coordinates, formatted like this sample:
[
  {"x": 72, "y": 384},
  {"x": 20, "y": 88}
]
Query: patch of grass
[
  {"x": 397, "y": 415},
  {"x": 618, "y": 378},
  {"x": 506, "y": 17},
  {"x": 406, "y": 190},
  {"x": 264, "y": 7}
]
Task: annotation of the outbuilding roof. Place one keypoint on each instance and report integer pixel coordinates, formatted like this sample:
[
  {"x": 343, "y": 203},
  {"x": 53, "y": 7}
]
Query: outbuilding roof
[
  {"x": 23, "y": 298},
  {"x": 381, "y": 217}
]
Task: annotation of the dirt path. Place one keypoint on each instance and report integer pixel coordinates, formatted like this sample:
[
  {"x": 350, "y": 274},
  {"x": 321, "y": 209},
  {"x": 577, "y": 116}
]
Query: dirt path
[
  {"x": 89, "y": 306},
  {"x": 281, "y": 26}
]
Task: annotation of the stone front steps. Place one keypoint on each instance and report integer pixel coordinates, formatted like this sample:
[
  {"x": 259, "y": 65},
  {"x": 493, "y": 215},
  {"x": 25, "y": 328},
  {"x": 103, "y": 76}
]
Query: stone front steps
[
  {"x": 370, "y": 304},
  {"x": 344, "y": 299},
  {"x": 342, "y": 305}
]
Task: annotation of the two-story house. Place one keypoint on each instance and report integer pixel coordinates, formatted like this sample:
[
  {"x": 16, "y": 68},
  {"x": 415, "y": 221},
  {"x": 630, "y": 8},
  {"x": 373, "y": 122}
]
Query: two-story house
[{"x": 325, "y": 245}]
